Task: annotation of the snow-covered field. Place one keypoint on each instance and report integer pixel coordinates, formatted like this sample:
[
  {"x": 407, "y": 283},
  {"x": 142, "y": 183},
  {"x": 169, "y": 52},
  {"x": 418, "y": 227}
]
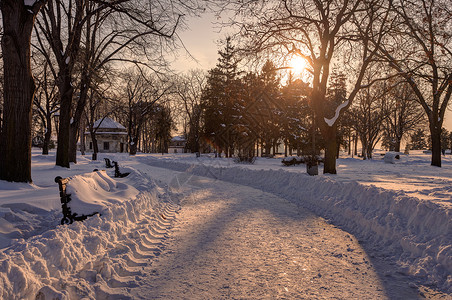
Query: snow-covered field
[{"x": 403, "y": 209}]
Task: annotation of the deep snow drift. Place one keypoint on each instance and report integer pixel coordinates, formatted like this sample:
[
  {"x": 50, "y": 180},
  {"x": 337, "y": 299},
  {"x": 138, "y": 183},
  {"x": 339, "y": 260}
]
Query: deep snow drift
[
  {"x": 402, "y": 208},
  {"x": 97, "y": 258}
]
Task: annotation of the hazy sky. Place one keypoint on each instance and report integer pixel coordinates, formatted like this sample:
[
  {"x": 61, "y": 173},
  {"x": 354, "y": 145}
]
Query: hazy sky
[{"x": 201, "y": 39}]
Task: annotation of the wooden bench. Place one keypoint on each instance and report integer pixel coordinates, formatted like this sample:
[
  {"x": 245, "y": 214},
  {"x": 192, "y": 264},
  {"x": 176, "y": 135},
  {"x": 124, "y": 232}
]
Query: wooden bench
[
  {"x": 68, "y": 216},
  {"x": 117, "y": 172}
]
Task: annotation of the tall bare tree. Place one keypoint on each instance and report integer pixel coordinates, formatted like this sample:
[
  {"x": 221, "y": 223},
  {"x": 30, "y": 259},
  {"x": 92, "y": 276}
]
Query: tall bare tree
[
  {"x": 188, "y": 90},
  {"x": 368, "y": 114},
  {"x": 19, "y": 87},
  {"x": 61, "y": 24},
  {"x": 142, "y": 92},
  {"x": 419, "y": 49},
  {"x": 98, "y": 32},
  {"x": 45, "y": 102},
  {"x": 404, "y": 114}
]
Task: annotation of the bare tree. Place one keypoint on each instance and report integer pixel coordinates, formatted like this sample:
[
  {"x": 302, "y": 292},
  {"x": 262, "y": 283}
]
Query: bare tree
[
  {"x": 419, "y": 49},
  {"x": 101, "y": 103},
  {"x": 368, "y": 114},
  {"x": 61, "y": 24},
  {"x": 188, "y": 90},
  {"x": 318, "y": 31},
  {"x": 19, "y": 87},
  {"x": 104, "y": 32},
  {"x": 46, "y": 102},
  {"x": 404, "y": 114},
  {"x": 142, "y": 91}
]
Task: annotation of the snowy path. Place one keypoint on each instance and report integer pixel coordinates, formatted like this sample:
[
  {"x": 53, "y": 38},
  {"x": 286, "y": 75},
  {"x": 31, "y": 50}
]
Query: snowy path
[{"x": 235, "y": 242}]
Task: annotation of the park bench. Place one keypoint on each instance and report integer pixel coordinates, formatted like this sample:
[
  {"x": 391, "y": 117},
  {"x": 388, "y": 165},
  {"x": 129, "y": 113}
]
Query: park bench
[
  {"x": 108, "y": 163},
  {"x": 117, "y": 172},
  {"x": 292, "y": 160},
  {"x": 68, "y": 216}
]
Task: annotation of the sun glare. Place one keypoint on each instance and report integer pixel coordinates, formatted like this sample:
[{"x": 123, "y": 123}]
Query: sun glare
[{"x": 298, "y": 64}]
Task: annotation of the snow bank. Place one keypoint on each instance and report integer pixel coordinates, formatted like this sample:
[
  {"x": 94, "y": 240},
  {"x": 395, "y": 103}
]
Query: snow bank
[
  {"x": 94, "y": 191},
  {"x": 417, "y": 232},
  {"x": 95, "y": 259}
]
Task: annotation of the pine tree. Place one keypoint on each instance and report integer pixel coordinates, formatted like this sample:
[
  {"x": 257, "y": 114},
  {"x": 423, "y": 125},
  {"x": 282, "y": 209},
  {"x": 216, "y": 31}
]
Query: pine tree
[
  {"x": 418, "y": 140},
  {"x": 220, "y": 101}
]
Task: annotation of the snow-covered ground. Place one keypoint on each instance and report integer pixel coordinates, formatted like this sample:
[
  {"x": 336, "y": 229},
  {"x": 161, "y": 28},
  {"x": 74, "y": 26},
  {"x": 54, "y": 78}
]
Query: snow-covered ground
[{"x": 401, "y": 211}]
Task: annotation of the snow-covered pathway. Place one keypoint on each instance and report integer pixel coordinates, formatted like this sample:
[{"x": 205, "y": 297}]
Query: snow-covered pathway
[{"x": 232, "y": 241}]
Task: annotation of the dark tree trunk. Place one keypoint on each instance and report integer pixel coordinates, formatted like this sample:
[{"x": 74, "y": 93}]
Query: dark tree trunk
[
  {"x": 95, "y": 146},
  {"x": 47, "y": 136},
  {"x": 73, "y": 137},
  {"x": 397, "y": 145},
  {"x": 65, "y": 88},
  {"x": 435, "y": 132},
  {"x": 75, "y": 125},
  {"x": 18, "y": 91},
  {"x": 355, "y": 146},
  {"x": 133, "y": 146},
  {"x": 329, "y": 133}
]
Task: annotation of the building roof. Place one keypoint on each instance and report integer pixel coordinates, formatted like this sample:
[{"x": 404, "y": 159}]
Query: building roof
[
  {"x": 108, "y": 123},
  {"x": 179, "y": 138}
]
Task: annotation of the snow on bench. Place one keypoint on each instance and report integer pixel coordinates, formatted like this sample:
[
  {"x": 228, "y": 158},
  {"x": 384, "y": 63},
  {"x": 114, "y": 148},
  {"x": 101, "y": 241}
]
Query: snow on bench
[
  {"x": 68, "y": 216},
  {"x": 391, "y": 157}
]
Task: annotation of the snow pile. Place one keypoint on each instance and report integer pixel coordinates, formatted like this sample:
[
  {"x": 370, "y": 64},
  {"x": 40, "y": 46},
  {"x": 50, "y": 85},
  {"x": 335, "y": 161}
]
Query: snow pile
[
  {"x": 93, "y": 192},
  {"x": 391, "y": 157},
  {"x": 95, "y": 259},
  {"x": 418, "y": 233}
]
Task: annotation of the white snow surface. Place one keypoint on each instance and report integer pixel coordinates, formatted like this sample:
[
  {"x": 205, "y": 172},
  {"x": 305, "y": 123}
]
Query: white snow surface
[
  {"x": 331, "y": 121},
  {"x": 402, "y": 209}
]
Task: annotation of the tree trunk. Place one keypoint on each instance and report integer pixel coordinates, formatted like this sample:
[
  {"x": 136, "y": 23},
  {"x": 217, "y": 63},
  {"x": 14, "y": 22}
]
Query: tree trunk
[
  {"x": 349, "y": 144},
  {"x": 18, "y": 91},
  {"x": 73, "y": 137},
  {"x": 329, "y": 133},
  {"x": 82, "y": 138},
  {"x": 435, "y": 132},
  {"x": 95, "y": 146},
  {"x": 47, "y": 136},
  {"x": 355, "y": 146},
  {"x": 397, "y": 145},
  {"x": 133, "y": 146},
  {"x": 75, "y": 124},
  {"x": 65, "y": 89}
]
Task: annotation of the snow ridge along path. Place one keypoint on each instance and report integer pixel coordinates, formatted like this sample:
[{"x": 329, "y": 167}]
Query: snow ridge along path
[
  {"x": 417, "y": 234},
  {"x": 100, "y": 258}
]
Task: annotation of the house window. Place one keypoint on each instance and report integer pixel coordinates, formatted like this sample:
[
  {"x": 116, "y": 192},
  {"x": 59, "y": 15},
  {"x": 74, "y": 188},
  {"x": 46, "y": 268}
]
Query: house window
[
  {"x": 106, "y": 145},
  {"x": 90, "y": 145}
]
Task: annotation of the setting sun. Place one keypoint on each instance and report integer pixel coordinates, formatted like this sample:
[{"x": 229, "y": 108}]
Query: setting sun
[{"x": 298, "y": 64}]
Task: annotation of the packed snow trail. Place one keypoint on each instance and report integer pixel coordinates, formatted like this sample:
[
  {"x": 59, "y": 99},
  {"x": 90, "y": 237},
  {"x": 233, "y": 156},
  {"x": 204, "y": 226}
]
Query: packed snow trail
[{"x": 231, "y": 241}]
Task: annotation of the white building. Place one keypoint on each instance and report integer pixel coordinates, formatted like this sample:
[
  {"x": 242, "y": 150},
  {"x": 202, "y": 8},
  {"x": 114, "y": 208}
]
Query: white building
[
  {"x": 177, "y": 145},
  {"x": 111, "y": 137}
]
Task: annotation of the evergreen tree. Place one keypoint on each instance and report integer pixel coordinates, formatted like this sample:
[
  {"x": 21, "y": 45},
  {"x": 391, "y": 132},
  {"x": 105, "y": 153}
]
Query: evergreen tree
[
  {"x": 418, "y": 140},
  {"x": 297, "y": 117},
  {"x": 219, "y": 101}
]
